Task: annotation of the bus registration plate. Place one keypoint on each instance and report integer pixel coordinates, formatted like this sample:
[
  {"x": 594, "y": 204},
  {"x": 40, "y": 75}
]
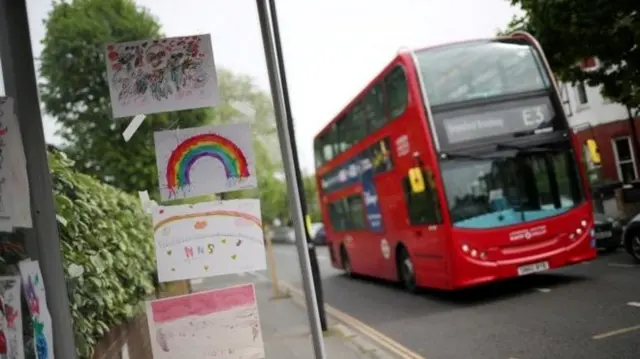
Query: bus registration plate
[{"x": 533, "y": 268}]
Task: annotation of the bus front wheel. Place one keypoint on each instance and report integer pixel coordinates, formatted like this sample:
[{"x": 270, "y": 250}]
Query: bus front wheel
[
  {"x": 406, "y": 270},
  {"x": 346, "y": 263}
]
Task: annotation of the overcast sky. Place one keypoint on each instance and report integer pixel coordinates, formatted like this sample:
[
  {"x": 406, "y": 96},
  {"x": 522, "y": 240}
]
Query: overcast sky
[{"x": 331, "y": 47}]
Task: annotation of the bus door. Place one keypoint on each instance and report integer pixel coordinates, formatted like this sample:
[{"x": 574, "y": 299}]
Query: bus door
[
  {"x": 373, "y": 215},
  {"x": 425, "y": 234},
  {"x": 377, "y": 183}
]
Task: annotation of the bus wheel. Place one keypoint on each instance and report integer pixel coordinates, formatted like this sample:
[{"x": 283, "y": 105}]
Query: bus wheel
[
  {"x": 346, "y": 263},
  {"x": 406, "y": 270}
]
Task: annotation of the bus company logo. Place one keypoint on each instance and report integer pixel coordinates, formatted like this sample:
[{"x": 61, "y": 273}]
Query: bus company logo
[
  {"x": 348, "y": 240},
  {"x": 526, "y": 234}
]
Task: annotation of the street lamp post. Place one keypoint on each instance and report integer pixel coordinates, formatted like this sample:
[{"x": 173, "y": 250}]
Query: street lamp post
[{"x": 285, "y": 135}]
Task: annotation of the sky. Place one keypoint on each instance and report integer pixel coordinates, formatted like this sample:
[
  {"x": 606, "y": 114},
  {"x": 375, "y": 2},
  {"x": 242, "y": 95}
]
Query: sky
[{"x": 332, "y": 48}]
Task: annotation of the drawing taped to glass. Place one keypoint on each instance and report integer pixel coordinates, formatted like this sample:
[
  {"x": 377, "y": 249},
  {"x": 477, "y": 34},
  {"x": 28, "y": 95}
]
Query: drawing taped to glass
[
  {"x": 205, "y": 160},
  {"x": 208, "y": 239},
  {"x": 15, "y": 207},
  {"x": 220, "y": 323},
  {"x": 12, "y": 309},
  {"x": 37, "y": 304},
  {"x": 170, "y": 74},
  {"x": 6, "y": 203}
]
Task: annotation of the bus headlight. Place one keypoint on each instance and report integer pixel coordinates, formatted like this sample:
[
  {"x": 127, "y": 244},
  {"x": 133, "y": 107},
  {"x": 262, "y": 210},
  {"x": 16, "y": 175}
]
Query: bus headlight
[
  {"x": 473, "y": 252},
  {"x": 583, "y": 224}
]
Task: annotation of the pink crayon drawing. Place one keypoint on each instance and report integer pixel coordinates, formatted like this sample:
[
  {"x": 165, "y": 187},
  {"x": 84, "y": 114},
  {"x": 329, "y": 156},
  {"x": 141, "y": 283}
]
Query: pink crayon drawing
[{"x": 184, "y": 326}]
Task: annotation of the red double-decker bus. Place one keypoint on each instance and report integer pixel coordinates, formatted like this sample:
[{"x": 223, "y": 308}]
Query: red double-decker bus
[{"x": 454, "y": 167}]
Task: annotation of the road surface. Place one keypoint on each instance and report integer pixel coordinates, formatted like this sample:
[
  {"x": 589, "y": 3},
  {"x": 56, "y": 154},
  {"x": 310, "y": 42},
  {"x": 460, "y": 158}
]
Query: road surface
[{"x": 588, "y": 311}]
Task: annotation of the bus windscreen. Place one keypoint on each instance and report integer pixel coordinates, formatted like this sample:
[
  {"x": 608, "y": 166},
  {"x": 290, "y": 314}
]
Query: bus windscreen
[
  {"x": 514, "y": 188},
  {"x": 480, "y": 70}
]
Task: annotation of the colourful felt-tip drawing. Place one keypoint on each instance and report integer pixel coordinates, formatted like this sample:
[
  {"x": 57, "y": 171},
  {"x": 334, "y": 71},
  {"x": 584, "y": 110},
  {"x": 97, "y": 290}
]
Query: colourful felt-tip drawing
[
  {"x": 37, "y": 304},
  {"x": 208, "y": 239},
  {"x": 171, "y": 74},
  {"x": 205, "y": 160}
]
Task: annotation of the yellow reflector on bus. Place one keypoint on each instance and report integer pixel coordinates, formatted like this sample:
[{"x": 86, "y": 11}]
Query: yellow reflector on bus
[
  {"x": 416, "y": 180},
  {"x": 593, "y": 150}
]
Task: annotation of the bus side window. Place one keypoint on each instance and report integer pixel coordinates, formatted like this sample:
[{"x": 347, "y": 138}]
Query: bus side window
[
  {"x": 397, "y": 92},
  {"x": 374, "y": 108},
  {"x": 338, "y": 215},
  {"x": 318, "y": 152},
  {"x": 355, "y": 207},
  {"x": 422, "y": 207},
  {"x": 347, "y": 214}
]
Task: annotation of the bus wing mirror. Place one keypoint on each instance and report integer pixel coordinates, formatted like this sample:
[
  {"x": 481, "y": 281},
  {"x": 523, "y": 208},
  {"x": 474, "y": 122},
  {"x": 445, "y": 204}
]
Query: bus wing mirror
[
  {"x": 593, "y": 151},
  {"x": 416, "y": 180}
]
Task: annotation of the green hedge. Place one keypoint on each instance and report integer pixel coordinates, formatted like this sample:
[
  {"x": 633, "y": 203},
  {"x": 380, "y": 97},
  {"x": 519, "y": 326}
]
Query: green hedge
[{"x": 108, "y": 252}]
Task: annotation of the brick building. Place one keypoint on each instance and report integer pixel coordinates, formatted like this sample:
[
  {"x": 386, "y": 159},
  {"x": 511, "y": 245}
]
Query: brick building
[{"x": 593, "y": 116}]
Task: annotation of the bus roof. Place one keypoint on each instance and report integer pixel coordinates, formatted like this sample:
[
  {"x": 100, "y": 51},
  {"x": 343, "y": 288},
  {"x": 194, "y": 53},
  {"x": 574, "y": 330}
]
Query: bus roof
[
  {"x": 360, "y": 94},
  {"x": 403, "y": 52}
]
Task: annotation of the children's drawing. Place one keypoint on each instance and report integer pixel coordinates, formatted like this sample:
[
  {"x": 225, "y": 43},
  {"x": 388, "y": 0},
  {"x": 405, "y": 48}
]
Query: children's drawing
[
  {"x": 13, "y": 157},
  {"x": 37, "y": 304},
  {"x": 205, "y": 160},
  {"x": 171, "y": 74},
  {"x": 6, "y": 181},
  {"x": 208, "y": 239},
  {"x": 12, "y": 309},
  {"x": 221, "y": 323}
]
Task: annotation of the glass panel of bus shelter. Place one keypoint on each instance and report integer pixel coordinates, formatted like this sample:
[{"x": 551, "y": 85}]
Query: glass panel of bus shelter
[
  {"x": 502, "y": 191},
  {"x": 480, "y": 69}
]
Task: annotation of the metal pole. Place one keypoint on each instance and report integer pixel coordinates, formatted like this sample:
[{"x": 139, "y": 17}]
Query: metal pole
[
  {"x": 287, "y": 158},
  {"x": 313, "y": 258},
  {"x": 42, "y": 242}
]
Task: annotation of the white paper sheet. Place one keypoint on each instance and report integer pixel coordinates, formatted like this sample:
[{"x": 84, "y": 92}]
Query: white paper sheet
[
  {"x": 221, "y": 323},
  {"x": 208, "y": 239},
  {"x": 205, "y": 160},
  {"x": 171, "y": 74}
]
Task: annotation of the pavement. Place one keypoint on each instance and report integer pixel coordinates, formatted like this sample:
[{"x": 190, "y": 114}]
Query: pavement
[
  {"x": 587, "y": 311},
  {"x": 285, "y": 325}
]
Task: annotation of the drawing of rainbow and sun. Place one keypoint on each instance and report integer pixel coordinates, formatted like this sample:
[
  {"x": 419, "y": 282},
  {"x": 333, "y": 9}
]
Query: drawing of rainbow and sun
[{"x": 204, "y": 160}]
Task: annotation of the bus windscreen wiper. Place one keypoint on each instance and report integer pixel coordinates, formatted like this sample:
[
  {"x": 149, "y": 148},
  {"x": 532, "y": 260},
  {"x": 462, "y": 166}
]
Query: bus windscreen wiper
[
  {"x": 526, "y": 149},
  {"x": 445, "y": 155}
]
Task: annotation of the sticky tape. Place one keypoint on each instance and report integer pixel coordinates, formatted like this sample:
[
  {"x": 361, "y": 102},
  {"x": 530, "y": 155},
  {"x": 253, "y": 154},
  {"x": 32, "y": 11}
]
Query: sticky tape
[{"x": 133, "y": 127}]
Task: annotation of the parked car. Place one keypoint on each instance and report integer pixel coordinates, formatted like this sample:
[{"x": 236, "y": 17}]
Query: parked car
[
  {"x": 608, "y": 232},
  {"x": 318, "y": 235},
  {"x": 283, "y": 234},
  {"x": 631, "y": 237}
]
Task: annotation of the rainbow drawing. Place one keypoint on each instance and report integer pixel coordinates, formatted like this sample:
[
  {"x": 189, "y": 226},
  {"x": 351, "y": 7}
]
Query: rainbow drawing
[
  {"x": 215, "y": 213},
  {"x": 189, "y": 151}
]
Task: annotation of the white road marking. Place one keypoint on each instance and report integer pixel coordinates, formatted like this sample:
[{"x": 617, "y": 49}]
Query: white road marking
[
  {"x": 622, "y": 265},
  {"x": 634, "y": 304},
  {"x": 616, "y": 332},
  {"x": 197, "y": 281},
  {"x": 543, "y": 290}
]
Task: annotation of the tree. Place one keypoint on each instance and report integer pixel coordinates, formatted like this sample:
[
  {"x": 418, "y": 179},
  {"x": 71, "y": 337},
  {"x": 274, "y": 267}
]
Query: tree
[
  {"x": 75, "y": 92},
  {"x": 571, "y": 31}
]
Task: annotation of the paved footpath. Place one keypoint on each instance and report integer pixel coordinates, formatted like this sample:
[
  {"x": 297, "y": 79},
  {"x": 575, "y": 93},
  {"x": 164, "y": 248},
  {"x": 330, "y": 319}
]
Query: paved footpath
[{"x": 285, "y": 326}]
